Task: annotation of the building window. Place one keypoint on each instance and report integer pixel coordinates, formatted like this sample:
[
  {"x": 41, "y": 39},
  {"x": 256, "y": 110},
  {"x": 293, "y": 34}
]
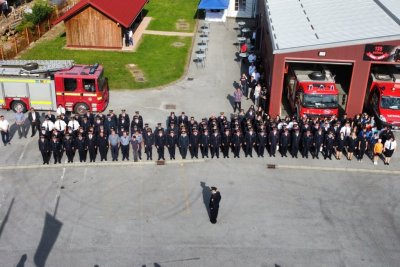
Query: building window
[{"x": 240, "y": 5}]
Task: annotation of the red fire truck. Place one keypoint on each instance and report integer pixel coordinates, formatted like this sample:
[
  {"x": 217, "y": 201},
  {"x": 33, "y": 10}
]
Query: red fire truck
[
  {"x": 311, "y": 90},
  {"x": 45, "y": 84},
  {"x": 383, "y": 99}
]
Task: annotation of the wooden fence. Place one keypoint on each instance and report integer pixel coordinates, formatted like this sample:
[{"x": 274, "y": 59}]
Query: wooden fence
[{"x": 20, "y": 41}]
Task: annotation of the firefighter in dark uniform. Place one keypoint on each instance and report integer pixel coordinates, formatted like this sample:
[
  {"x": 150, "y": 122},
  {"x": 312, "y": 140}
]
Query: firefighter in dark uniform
[
  {"x": 102, "y": 143},
  {"x": 261, "y": 142},
  {"x": 237, "y": 143},
  {"x": 194, "y": 142},
  {"x": 284, "y": 142},
  {"x": 295, "y": 143},
  {"x": 273, "y": 141},
  {"x": 318, "y": 142},
  {"x": 109, "y": 124},
  {"x": 214, "y": 204},
  {"x": 160, "y": 143},
  {"x": 81, "y": 146},
  {"x": 329, "y": 145},
  {"x": 56, "y": 149},
  {"x": 215, "y": 143},
  {"x": 148, "y": 144},
  {"x": 92, "y": 146},
  {"x": 249, "y": 142},
  {"x": 44, "y": 147},
  {"x": 226, "y": 143},
  {"x": 204, "y": 142},
  {"x": 137, "y": 121},
  {"x": 172, "y": 119},
  {"x": 183, "y": 120},
  {"x": 158, "y": 129},
  {"x": 68, "y": 144},
  {"x": 306, "y": 142},
  {"x": 123, "y": 119},
  {"x": 171, "y": 142},
  {"x": 183, "y": 143}
]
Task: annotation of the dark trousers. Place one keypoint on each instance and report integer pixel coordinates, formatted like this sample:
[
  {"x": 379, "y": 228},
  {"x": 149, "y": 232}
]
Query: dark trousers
[
  {"x": 238, "y": 106},
  {"x": 295, "y": 151},
  {"x": 204, "y": 151},
  {"x": 160, "y": 152},
  {"x": 317, "y": 150},
  {"x": 284, "y": 150},
  {"x": 183, "y": 151},
  {"x": 171, "y": 151},
  {"x": 92, "y": 154},
  {"x": 21, "y": 130},
  {"x": 272, "y": 150},
  {"x": 328, "y": 153},
  {"x": 114, "y": 152},
  {"x": 194, "y": 151},
  {"x": 70, "y": 155},
  {"x": 305, "y": 151},
  {"x": 45, "y": 156},
  {"x": 149, "y": 152},
  {"x": 214, "y": 151},
  {"x": 361, "y": 153},
  {"x": 225, "y": 150},
  {"x": 213, "y": 215},
  {"x": 236, "y": 151},
  {"x": 35, "y": 128},
  {"x": 125, "y": 152},
  {"x": 260, "y": 150},
  {"x": 82, "y": 155},
  {"x": 5, "y": 137},
  {"x": 103, "y": 153},
  {"x": 135, "y": 154},
  {"x": 57, "y": 156},
  {"x": 249, "y": 150}
]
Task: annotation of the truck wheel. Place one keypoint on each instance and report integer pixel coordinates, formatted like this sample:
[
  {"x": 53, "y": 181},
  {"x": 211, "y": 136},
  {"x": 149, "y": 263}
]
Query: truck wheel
[
  {"x": 30, "y": 66},
  {"x": 81, "y": 108},
  {"x": 18, "y": 105}
]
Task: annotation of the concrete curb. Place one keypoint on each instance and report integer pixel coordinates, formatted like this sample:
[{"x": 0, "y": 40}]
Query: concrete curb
[
  {"x": 298, "y": 167},
  {"x": 101, "y": 164}
]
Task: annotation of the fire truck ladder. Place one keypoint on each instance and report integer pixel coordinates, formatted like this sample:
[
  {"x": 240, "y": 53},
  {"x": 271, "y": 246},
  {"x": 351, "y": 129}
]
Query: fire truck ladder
[{"x": 33, "y": 67}]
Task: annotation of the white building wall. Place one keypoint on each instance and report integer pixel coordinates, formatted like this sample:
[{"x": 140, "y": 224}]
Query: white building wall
[{"x": 248, "y": 12}]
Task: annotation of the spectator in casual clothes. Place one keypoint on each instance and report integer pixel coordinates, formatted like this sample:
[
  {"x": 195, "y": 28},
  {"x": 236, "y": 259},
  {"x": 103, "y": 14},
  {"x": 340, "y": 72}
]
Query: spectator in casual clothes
[
  {"x": 20, "y": 123},
  {"x": 5, "y": 130},
  {"x": 378, "y": 148},
  {"x": 237, "y": 95}
]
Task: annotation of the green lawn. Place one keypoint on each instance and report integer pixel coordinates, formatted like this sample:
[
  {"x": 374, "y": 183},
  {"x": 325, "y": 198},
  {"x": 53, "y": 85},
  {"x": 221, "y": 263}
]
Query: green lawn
[
  {"x": 165, "y": 13},
  {"x": 160, "y": 61}
]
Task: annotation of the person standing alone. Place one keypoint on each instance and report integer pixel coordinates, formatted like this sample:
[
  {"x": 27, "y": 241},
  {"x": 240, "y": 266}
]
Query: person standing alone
[
  {"x": 214, "y": 204},
  {"x": 238, "y": 99}
]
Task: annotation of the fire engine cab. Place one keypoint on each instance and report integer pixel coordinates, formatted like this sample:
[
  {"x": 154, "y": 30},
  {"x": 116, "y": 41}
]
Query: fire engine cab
[
  {"x": 383, "y": 98},
  {"x": 311, "y": 90},
  {"x": 45, "y": 84}
]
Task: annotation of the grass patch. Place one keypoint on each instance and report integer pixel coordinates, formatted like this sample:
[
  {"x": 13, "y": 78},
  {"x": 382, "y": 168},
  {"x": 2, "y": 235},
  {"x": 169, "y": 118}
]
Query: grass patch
[
  {"x": 166, "y": 13},
  {"x": 157, "y": 58}
]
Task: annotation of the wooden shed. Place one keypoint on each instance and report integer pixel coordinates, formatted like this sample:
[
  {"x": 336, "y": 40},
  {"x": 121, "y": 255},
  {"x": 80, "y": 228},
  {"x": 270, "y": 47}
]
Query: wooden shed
[{"x": 100, "y": 23}]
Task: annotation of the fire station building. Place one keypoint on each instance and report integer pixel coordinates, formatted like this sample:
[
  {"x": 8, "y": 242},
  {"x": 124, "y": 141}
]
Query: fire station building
[{"x": 350, "y": 35}]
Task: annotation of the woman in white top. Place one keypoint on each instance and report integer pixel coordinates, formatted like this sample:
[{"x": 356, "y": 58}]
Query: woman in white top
[{"x": 389, "y": 148}]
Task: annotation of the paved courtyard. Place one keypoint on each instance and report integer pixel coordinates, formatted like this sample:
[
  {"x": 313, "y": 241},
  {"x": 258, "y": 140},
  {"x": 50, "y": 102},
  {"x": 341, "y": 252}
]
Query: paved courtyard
[{"x": 302, "y": 213}]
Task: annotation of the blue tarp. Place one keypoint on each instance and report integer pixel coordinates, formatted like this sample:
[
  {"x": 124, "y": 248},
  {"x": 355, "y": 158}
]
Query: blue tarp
[{"x": 213, "y": 4}]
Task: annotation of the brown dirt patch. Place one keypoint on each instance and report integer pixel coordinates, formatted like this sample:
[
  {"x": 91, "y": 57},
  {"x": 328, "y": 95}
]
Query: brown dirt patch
[{"x": 182, "y": 25}]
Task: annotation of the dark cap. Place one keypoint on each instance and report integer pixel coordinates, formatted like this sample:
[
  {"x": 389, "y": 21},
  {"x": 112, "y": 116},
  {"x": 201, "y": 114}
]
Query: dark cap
[
  {"x": 123, "y": 110},
  {"x": 46, "y": 117},
  {"x": 214, "y": 188},
  {"x": 136, "y": 112}
]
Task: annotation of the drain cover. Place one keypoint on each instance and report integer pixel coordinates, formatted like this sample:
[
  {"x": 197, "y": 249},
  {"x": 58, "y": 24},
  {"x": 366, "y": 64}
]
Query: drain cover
[{"x": 170, "y": 106}]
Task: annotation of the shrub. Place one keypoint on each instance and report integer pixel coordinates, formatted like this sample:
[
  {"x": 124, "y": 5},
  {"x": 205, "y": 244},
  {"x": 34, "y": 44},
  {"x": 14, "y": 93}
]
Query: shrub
[{"x": 41, "y": 10}]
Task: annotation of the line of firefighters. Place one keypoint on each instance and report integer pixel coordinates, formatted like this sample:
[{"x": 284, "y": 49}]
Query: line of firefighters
[{"x": 245, "y": 131}]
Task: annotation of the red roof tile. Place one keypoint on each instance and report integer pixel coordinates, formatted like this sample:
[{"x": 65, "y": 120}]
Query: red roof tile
[{"x": 122, "y": 11}]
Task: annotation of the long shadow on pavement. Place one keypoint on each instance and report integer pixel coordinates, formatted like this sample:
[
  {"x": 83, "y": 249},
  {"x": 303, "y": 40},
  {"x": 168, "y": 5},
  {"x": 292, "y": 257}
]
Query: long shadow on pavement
[
  {"x": 206, "y": 196},
  {"x": 4, "y": 222}
]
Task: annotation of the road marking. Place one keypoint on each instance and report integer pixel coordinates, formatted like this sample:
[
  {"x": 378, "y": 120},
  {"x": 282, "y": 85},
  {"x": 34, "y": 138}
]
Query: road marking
[
  {"x": 298, "y": 167},
  {"x": 57, "y": 198},
  {"x": 23, "y": 151},
  {"x": 99, "y": 164}
]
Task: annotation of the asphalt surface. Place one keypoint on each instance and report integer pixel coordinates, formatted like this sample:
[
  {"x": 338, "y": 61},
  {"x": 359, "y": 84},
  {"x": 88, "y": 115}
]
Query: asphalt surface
[{"x": 300, "y": 213}]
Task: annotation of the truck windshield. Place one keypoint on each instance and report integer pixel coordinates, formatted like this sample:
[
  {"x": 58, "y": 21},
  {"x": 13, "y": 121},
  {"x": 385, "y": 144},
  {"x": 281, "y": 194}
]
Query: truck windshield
[
  {"x": 101, "y": 81},
  {"x": 320, "y": 101},
  {"x": 390, "y": 102}
]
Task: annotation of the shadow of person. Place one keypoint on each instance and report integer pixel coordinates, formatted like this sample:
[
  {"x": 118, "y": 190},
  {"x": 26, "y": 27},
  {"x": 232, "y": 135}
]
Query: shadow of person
[
  {"x": 22, "y": 261},
  {"x": 231, "y": 99},
  {"x": 206, "y": 196},
  {"x": 235, "y": 84}
]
